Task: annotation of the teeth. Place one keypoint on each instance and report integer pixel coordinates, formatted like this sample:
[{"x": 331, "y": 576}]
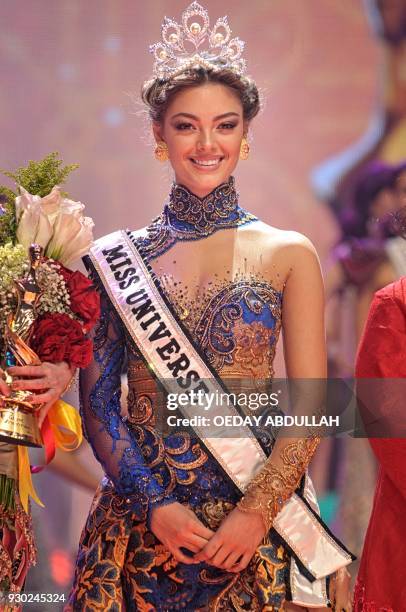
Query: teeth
[{"x": 208, "y": 162}]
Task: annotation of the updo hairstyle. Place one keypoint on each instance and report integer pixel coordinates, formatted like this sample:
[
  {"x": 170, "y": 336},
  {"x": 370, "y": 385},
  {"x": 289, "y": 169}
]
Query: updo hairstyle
[{"x": 157, "y": 94}]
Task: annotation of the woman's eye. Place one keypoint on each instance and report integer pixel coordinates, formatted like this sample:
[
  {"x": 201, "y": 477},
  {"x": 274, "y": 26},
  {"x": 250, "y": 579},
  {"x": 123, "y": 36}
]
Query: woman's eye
[
  {"x": 184, "y": 126},
  {"x": 227, "y": 126}
]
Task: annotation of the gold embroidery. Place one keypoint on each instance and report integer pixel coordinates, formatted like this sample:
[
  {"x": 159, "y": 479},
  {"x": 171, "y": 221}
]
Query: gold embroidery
[
  {"x": 253, "y": 348},
  {"x": 214, "y": 512},
  {"x": 274, "y": 484}
]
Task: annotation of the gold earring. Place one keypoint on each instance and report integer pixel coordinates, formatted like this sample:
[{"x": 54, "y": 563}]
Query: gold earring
[
  {"x": 161, "y": 152},
  {"x": 244, "y": 149}
]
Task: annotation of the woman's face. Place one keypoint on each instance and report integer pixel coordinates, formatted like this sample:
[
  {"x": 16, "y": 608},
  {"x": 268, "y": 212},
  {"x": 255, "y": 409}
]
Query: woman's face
[{"x": 203, "y": 128}]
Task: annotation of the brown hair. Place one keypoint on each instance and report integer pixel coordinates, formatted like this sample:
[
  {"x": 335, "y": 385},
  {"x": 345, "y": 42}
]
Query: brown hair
[{"x": 158, "y": 93}]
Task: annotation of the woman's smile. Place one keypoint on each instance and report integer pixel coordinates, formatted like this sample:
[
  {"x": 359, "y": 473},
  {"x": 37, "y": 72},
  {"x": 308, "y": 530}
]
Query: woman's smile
[{"x": 206, "y": 164}]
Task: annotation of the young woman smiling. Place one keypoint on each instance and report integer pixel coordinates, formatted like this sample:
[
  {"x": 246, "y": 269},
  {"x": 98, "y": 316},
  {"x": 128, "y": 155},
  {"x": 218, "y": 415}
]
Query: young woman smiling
[{"x": 171, "y": 527}]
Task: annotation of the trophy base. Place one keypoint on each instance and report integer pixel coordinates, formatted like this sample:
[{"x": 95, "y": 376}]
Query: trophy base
[{"x": 18, "y": 423}]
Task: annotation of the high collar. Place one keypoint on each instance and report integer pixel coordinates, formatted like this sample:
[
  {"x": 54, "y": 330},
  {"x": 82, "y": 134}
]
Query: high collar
[
  {"x": 188, "y": 217},
  {"x": 202, "y": 216}
]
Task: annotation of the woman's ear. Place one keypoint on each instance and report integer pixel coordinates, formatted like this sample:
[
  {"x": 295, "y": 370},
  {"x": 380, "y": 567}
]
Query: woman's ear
[{"x": 157, "y": 131}]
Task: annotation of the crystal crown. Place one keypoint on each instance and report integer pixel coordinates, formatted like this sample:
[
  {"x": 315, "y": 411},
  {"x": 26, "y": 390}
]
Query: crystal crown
[{"x": 194, "y": 44}]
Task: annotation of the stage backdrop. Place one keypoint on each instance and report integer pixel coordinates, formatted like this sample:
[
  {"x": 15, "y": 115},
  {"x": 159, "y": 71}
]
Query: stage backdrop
[{"x": 71, "y": 72}]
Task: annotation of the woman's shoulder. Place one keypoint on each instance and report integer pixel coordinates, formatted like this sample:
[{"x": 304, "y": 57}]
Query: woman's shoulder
[
  {"x": 289, "y": 243},
  {"x": 276, "y": 234},
  {"x": 394, "y": 292}
]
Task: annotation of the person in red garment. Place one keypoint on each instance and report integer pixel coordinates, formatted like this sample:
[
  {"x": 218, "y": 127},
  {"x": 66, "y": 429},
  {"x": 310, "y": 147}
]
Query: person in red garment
[{"x": 381, "y": 583}]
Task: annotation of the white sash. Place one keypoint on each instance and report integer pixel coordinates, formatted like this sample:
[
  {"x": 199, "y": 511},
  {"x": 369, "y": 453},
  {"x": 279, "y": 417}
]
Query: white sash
[{"x": 178, "y": 365}]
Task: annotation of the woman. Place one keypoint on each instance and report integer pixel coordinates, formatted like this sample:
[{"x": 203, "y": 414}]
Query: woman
[
  {"x": 202, "y": 286},
  {"x": 382, "y": 355},
  {"x": 382, "y": 358}
]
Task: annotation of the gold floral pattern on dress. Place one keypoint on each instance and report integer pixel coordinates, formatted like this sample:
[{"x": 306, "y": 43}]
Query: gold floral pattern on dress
[
  {"x": 146, "y": 413},
  {"x": 194, "y": 310},
  {"x": 277, "y": 480},
  {"x": 215, "y": 511},
  {"x": 253, "y": 348},
  {"x": 260, "y": 587},
  {"x": 237, "y": 303}
]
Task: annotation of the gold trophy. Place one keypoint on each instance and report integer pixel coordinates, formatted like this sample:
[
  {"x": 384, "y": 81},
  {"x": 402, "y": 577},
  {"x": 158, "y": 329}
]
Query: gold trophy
[{"x": 18, "y": 421}]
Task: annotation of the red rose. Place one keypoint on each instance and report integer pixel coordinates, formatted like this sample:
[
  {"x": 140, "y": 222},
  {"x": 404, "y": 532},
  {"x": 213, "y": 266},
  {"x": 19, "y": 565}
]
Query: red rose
[
  {"x": 84, "y": 299},
  {"x": 57, "y": 337},
  {"x": 81, "y": 353}
]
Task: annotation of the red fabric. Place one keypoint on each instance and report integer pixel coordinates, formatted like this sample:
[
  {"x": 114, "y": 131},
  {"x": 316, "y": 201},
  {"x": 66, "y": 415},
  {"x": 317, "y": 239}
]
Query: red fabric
[
  {"x": 381, "y": 583},
  {"x": 49, "y": 445}
]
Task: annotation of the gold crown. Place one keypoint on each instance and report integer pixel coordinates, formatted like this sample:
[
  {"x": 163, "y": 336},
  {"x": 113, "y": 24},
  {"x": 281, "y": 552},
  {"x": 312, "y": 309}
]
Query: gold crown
[{"x": 193, "y": 44}]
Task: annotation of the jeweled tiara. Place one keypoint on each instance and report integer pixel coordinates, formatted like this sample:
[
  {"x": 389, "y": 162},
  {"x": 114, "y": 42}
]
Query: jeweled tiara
[{"x": 194, "y": 44}]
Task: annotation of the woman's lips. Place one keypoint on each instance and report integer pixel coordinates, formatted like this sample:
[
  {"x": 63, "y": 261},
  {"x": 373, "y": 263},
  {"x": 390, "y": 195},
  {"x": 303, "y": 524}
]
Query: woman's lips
[{"x": 207, "y": 164}]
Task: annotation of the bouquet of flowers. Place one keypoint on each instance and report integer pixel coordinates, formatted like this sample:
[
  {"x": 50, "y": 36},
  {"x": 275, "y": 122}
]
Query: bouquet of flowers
[
  {"x": 68, "y": 305},
  {"x": 67, "y": 308}
]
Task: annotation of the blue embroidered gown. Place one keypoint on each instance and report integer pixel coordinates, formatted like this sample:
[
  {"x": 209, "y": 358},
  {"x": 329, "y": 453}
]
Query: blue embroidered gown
[{"x": 235, "y": 318}]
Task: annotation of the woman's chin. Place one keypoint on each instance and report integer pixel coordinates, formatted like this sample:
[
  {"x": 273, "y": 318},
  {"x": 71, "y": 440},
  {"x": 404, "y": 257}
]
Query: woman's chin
[{"x": 202, "y": 183}]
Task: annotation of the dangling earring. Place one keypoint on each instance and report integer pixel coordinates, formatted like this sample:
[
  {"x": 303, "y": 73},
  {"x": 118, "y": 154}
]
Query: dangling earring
[
  {"x": 161, "y": 152},
  {"x": 244, "y": 149}
]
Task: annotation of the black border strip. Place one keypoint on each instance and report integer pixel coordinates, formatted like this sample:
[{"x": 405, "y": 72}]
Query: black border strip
[
  {"x": 278, "y": 539},
  {"x": 324, "y": 526}
]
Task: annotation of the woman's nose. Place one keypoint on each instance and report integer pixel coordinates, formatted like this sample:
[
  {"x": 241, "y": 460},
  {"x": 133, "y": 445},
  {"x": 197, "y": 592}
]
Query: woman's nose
[{"x": 205, "y": 141}]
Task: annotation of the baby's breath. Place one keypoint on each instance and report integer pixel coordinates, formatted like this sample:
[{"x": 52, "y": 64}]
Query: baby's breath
[{"x": 55, "y": 297}]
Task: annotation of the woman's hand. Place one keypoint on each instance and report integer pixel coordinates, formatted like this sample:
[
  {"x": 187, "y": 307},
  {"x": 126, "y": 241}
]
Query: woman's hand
[
  {"x": 4, "y": 388},
  {"x": 50, "y": 379},
  {"x": 177, "y": 526},
  {"x": 228, "y": 549},
  {"x": 340, "y": 590}
]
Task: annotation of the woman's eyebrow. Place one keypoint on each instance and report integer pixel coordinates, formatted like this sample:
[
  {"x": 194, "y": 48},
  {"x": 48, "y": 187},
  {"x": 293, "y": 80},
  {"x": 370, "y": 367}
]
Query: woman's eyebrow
[{"x": 190, "y": 116}]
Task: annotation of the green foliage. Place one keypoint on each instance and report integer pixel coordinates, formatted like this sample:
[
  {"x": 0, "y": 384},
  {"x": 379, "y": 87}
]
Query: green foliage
[
  {"x": 8, "y": 224},
  {"x": 7, "y": 493},
  {"x": 39, "y": 177}
]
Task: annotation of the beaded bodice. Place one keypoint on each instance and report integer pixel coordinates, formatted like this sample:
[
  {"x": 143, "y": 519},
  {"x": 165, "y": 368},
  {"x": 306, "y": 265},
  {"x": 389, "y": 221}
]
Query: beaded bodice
[
  {"x": 209, "y": 264},
  {"x": 234, "y": 316}
]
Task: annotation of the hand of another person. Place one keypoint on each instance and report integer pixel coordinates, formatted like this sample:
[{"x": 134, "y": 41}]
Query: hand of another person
[
  {"x": 340, "y": 591},
  {"x": 176, "y": 526},
  {"x": 51, "y": 379},
  {"x": 235, "y": 541}
]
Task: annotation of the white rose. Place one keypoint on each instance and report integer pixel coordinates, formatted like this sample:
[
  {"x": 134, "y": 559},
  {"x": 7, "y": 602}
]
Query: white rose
[
  {"x": 57, "y": 224},
  {"x": 33, "y": 224}
]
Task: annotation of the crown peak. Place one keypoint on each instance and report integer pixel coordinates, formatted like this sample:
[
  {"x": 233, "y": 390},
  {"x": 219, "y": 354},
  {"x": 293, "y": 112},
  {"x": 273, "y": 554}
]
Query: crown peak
[{"x": 213, "y": 49}]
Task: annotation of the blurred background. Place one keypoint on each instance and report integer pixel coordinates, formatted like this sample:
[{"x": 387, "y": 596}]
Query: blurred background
[{"x": 326, "y": 160}]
